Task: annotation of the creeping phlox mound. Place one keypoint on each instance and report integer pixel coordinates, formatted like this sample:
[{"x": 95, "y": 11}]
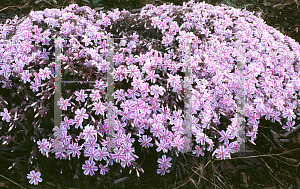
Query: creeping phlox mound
[{"x": 150, "y": 61}]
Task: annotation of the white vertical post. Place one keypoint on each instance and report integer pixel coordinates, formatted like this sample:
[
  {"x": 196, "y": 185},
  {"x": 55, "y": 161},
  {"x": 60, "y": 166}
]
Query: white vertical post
[
  {"x": 57, "y": 90},
  {"x": 110, "y": 91},
  {"x": 110, "y": 88},
  {"x": 240, "y": 99},
  {"x": 187, "y": 90}
]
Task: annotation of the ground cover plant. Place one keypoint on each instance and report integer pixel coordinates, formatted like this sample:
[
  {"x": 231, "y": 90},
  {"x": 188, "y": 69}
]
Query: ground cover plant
[{"x": 149, "y": 87}]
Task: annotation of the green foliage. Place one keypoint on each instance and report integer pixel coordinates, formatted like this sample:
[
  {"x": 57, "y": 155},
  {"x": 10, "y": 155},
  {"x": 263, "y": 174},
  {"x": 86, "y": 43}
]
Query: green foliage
[
  {"x": 93, "y": 3},
  {"x": 232, "y": 4}
]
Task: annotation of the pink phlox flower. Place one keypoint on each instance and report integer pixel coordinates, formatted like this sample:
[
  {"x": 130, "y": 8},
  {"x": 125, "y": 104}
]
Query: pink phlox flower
[
  {"x": 201, "y": 137},
  {"x": 103, "y": 153},
  {"x": 157, "y": 129},
  {"x": 119, "y": 137},
  {"x": 89, "y": 167},
  {"x": 119, "y": 126},
  {"x": 56, "y": 145},
  {"x": 222, "y": 152},
  {"x": 234, "y": 147},
  {"x": 78, "y": 122},
  {"x": 34, "y": 177},
  {"x": 45, "y": 73},
  {"x": 126, "y": 160},
  {"x": 165, "y": 112},
  {"x": 100, "y": 85},
  {"x": 128, "y": 139},
  {"x": 95, "y": 95},
  {"x": 65, "y": 138},
  {"x": 106, "y": 21},
  {"x": 178, "y": 143},
  {"x": 26, "y": 76},
  {"x": 137, "y": 83},
  {"x": 163, "y": 25},
  {"x": 81, "y": 114},
  {"x": 135, "y": 37},
  {"x": 155, "y": 21},
  {"x": 5, "y": 115},
  {"x": 178, "y": 126},
  {"x": 93, "y": 154},
  {"x": 119, "y": 153},
  {"x": 130, "y": 60},
  {"x": 61, "y": 155},
  {"x": 289, "y": 125},
  {"x": 119, "y": 74},
  {"x": 253, "y": 119},
  {"x": 289, "y": 113},
  {"x": 163, "y": 145},
  {"x": 157, "y": 90},
  {"x": 58, "y": 131},
  {"x": 145, "y": 141},
  {"x": 87, "y": 40},
  {"x": 211, "y": 144},
  {"x": 80, "y": 96},
  {"x": 280, "y": 104},
  {"x": 164, "y": 161},
  {"x": 163, "y": 170},
  {"x": 89, "y": 132},
  {"x": 138, "y": 103},
  {"x": 133, "y": 70},
  {"x": 267, "y": 112},
  {"x": 35, "y": 86},
  {"x": 167, "y": 40},
  {"x": 67, "y": 122},
  {"x": 151, "y": 75},
  {"x": 120, "y": 95},
  {"x": 63, "y": 103},
  {"x": 43, "y": 146},
  {"x": 133, "y": 93},
  {"x": 99, "y": 107},
  {"x": 59, "y": 41},
  {"x": 138, "y": 117},
  {"x": 109, "y": 143},
  {"x": 166, "y": 135},
  {"x": 128, "y": 148},
  {"x": 225, "y": 136},
  {"x": 199, "y": 150},
  {"x": 74, "y": 149},
  {"x": 103, "y": 169},
  {"x": 6, "y": 70},
  {"x": 128, "y": 105},
  {"x": 177, "y": 115},
  {"x": 119, "y": 58},
  {"x": 140, "y": 129},
  {"x": 275, "y": 116}
]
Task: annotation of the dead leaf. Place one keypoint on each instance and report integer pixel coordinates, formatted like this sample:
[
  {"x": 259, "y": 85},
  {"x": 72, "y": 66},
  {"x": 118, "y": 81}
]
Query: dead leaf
[
  {"x": 50, "y": 183},
  {"x": 266, "y": 3},
  {"x": 98, "y": 8},
  {"x": 296, "y": 1},
  {"x": 244, "y": 177},
  {"x": 227, "y": 168},
  {"x": 121, "y": 180}
]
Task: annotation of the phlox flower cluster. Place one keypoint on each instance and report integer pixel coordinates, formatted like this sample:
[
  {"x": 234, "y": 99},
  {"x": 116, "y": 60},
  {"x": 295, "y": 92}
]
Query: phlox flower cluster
[{"x": 145, "y": 112}]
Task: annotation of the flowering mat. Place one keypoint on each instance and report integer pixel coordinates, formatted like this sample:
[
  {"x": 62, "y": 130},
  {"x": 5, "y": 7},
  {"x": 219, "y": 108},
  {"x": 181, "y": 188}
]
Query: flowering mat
[{"x": 150, "y": 145}]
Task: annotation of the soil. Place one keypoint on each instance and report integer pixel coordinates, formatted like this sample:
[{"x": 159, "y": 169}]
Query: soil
[{"x": 273, "y": 162}]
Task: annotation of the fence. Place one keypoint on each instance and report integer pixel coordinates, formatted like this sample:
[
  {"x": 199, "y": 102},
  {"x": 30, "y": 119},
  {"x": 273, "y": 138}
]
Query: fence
[{"x": 187, "y": 86}]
